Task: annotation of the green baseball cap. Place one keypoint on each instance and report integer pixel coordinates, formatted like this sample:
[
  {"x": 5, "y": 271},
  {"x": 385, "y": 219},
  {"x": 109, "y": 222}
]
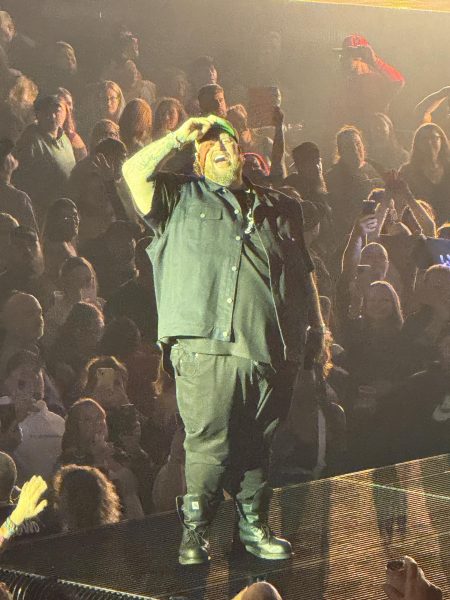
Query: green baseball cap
[{"x": 218, "y": 126}]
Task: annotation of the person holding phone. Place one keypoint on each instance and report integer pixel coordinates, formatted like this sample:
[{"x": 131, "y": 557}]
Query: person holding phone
[{"x": 235, "y": 296}]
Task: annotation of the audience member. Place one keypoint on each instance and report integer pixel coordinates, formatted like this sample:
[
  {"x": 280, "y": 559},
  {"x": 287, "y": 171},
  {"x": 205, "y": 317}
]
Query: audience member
[
  {"x": 59, "y": 236},
  {"x": 24, "y": 264},
  {"x": 104, "y": 100},
  {"x": 13, "y": 201},
  {"x": 60, "y": 68},
  {"x": 132, "y": 84},
  {"x": 211, "y": 100},
  {"x": 45, "y": 156},
  {"x": 9, "y": 496},
  {"x": 136, "y": 125},
  {"x": 77, "y": 282},
  {"x": 113, "y": 256},
  {"x": 169, "y": 115},
  {"x": 135, "y": 298},
  {"x": 41, "y": 430},
  {"x": 75, "y": 344},
  {"x": 69, "y": 125},
  {"x": 350, "y": 180},
  {"x": 383, "y": 146},
  {"x": 249, "y": 140},
  {"x": 97, "y": 195},
  {"x": 368, "y": 83},
  {"x": 423, "y": 328},
  {"x": 17, "y": 107},
  {"x": 122, "y": 339},
  {"x": 23, "y": 326},
  {"x": 85, "y": 498},
  {"x": 428, "y": 171},
  {"x": 85, "y": 443}
]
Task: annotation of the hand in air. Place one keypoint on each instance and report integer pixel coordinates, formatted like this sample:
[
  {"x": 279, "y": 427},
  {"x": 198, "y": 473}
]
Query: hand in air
[
  {"x": 29, "y": 504},
  {"x": 194, "y": 129},
  {"x": 366, "y": 224}
]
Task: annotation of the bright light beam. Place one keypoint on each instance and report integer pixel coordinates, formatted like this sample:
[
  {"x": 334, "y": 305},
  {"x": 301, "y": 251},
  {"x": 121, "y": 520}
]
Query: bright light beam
[{"x": 428, "y": 5}]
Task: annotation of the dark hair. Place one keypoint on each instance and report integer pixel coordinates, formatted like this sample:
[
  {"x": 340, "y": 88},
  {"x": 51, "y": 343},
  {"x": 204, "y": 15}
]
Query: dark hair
[
  {"x": 111, "y": 148},
  {"x": 45, "y": 102},
  {"x": 51, "y": 224},
  {"x": 163, "y": 106},
  {"x": 121, "y": 337},
  {"x": 417, "y": 153},
  {"x": 73, "y": 262},
  {"x": 80, "y": 317},
  {"x": 306, "y": 151},
  {"x": 98, "y": 133},
  {"x": 86, "y": 497},
  {"x": 346, "y": 131},
  {"x": 23, "y": 357},
  {"x": 200, "y": 62},
  {"x": 208, "y": 91},
  {"x": 71, "y": 439},
  {"x": 396, "y": 319},
  {"x": 88, "y": 377}
]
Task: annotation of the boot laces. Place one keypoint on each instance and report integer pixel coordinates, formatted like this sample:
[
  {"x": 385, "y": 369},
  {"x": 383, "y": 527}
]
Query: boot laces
[
  {"x": 197, "y": 537},
  {"x": 266, "y": 531}
]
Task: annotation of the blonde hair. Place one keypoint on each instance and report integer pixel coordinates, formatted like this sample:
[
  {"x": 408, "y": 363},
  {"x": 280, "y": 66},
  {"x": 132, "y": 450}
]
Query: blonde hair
[{"x": 22, "y": 86}]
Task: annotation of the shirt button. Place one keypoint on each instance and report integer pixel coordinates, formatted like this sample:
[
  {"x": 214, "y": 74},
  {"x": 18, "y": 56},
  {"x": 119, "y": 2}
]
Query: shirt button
[
  {"x": 202, "y": 215},
  {"x": 234, "y": 268},
  {"x": 229, "y": 300},
  {"x": 225, "y": 333},
  {"x": 236, "y": 211},
  {"x": 238, "y": 238}
]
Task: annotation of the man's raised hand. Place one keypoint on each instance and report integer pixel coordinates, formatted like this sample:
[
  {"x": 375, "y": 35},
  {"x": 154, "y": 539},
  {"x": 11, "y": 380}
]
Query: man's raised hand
[{"x": 194, "y": 129}]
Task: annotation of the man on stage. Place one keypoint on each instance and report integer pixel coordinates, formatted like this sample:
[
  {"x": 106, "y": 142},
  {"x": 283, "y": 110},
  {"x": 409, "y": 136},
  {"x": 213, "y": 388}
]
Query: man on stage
[{"x": 235, "y": 297}]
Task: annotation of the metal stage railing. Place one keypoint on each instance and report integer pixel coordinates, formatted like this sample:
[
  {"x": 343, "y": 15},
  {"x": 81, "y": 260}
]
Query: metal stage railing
[{"x": 28, "y": 586}]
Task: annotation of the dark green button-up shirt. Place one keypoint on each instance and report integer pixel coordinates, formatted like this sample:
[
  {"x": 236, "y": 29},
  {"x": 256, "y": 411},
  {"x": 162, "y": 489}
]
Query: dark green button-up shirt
[{"x": 196, "y": 255}]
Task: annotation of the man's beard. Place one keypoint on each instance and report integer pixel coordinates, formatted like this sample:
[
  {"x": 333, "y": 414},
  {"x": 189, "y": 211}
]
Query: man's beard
[{"x": 224, "y": 177}]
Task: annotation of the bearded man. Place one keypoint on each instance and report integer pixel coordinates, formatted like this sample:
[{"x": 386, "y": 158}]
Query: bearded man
[{"x": 235, "y": 296}]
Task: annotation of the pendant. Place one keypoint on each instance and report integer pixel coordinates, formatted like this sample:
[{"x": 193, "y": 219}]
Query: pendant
[{"x": 250, "y": 222}]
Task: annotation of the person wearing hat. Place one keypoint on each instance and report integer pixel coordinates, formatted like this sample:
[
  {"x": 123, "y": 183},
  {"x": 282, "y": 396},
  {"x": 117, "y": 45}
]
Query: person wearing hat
[
  {"x": 369, "y": 83},
  {"x": 13, "y": 202},
  {"x": 235, "y": 296},
  {"x": 45, "y": 156}
]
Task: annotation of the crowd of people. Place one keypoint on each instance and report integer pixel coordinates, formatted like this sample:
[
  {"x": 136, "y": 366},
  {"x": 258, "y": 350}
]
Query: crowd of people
[{"x": 86, "y": 402}]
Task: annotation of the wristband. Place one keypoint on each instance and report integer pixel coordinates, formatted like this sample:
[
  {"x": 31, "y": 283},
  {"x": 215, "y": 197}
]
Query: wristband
[{"x": 9, "y": 528}]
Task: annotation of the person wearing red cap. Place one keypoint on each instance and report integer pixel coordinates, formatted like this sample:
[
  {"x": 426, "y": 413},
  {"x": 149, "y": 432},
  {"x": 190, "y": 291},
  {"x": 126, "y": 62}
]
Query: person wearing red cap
[{"x": 369, "y": 83}]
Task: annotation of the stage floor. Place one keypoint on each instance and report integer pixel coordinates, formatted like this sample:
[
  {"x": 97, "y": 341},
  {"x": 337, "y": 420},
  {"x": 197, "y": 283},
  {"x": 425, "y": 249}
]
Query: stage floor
[{"x": 343, "y": 531}]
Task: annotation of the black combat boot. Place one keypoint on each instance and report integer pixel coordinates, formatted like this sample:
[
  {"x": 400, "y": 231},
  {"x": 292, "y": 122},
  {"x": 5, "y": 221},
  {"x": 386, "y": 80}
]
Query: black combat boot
[
  {"x": 255, "y": 533},
  {"x": 194, "y": 514}
]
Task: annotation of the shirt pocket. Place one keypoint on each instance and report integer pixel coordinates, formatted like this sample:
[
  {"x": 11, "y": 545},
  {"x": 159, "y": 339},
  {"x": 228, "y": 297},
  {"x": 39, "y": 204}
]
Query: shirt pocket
[{"x": 202, "y": 222}]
